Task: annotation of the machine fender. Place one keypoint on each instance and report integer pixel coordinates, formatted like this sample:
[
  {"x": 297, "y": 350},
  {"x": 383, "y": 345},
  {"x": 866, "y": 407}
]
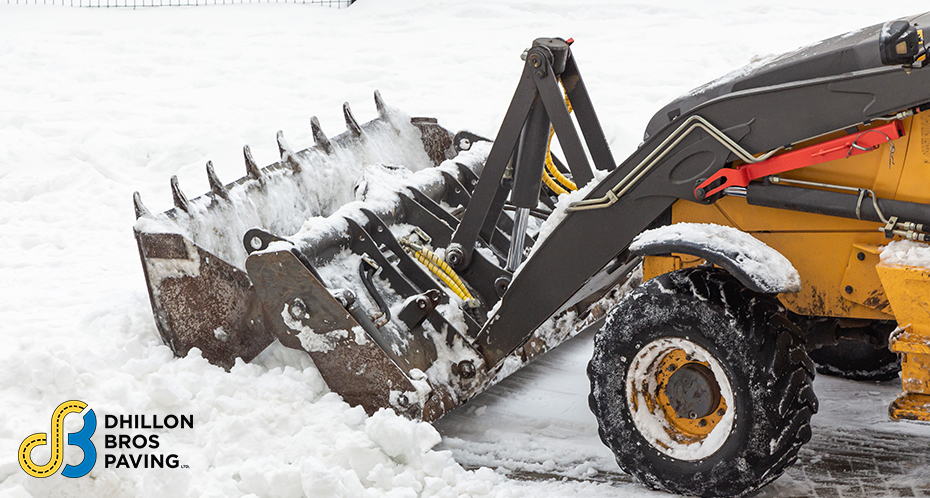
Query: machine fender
[{"x": 751, "y": 261}]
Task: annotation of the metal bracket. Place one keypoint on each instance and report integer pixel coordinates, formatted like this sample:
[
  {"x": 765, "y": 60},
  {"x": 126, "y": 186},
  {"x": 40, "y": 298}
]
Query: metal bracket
[{"x": 418, "y": 307}]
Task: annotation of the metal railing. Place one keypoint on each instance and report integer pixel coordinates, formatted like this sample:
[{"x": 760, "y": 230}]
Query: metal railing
[{"x": 339, "y": 4}]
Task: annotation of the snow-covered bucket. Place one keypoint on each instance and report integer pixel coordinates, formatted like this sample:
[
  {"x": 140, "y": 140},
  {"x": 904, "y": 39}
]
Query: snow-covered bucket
[{"x": 208, "y": 293}]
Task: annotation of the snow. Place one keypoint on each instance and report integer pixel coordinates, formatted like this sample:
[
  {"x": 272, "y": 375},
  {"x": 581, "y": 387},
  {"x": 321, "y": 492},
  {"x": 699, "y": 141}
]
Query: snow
[
  {"x": 283, "y": 199},
  {"x": 561, "y": 209},
  {"x": 765, "y": 267},
  {"x": 98, "y": 103},
  {"x": 906, "y": 253}
]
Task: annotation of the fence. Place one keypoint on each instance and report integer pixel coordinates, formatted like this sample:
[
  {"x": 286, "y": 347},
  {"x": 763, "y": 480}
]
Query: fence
[{"x": 339, "y": 4}]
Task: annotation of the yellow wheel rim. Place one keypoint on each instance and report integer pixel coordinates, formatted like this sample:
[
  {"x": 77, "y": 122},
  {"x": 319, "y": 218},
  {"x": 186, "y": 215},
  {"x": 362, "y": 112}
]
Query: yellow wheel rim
[{"x": 679, "y": 398}]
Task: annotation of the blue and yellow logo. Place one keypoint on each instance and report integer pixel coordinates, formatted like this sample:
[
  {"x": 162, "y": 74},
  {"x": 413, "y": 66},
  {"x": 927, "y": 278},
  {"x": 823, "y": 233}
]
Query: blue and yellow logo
[{"x": 81, "y": 439}]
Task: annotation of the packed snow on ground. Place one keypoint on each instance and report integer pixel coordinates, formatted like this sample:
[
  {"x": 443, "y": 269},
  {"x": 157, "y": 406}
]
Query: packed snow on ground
[{"x": 98, "y": 103}]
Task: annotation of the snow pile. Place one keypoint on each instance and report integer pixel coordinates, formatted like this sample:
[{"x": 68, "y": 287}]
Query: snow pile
[
  {"x": 768, "y": 269},
  {"x": 269, "y": 429},
  {"x": 906, "y": 253},
  {"x": 283, "y": 198}
]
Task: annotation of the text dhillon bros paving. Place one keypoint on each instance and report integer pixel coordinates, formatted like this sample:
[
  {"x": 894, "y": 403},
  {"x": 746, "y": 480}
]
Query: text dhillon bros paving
[{"x": 141, "y": 441}]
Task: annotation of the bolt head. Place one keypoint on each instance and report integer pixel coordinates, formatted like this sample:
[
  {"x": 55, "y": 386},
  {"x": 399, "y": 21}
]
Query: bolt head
[
  {"x": 454, "y": 256},
  {"x": 466, "y": 369},
  {"x": 297, "y": 309}
]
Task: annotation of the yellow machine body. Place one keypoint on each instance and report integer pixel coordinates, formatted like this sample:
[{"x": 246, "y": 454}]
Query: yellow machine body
[{"x": 838, "y": 258}]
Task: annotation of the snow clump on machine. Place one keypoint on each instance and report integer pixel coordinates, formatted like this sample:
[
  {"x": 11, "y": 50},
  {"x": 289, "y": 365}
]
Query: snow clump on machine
[{"x": 765, "y": 267}]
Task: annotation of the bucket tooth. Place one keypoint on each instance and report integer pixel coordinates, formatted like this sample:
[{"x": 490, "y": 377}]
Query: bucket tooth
[
  {"x": 215, "y": 184},
  {"x": 287, "y": 155},
  {"x": 251, "y": 167},
  {"x": 351, "y": 123},
  {"x": 319, "y": 138},
  {"x": 180, "y": 200},
  {"x": 141, "y": 211},
  {"x": 379, "y": 104}
]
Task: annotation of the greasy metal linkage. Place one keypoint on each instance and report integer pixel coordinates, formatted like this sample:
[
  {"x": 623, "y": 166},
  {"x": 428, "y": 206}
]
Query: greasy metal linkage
[{"x": 521, "y": 142}]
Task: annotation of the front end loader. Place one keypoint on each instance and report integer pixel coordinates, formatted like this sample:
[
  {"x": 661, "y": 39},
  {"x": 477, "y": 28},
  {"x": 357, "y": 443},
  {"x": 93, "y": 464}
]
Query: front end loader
[{"x": 418, "y": 267}]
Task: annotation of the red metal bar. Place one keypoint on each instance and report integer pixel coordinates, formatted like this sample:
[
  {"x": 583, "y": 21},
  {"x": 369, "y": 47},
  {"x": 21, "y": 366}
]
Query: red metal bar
[{"x": 838, "y": 148}]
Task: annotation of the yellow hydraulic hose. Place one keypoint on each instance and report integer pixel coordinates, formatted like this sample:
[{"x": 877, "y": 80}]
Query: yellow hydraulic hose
[
  {"x": 441, "y": 269},
  {"x": 552, "y": 184},
  {"x": 556, "y": 175}
]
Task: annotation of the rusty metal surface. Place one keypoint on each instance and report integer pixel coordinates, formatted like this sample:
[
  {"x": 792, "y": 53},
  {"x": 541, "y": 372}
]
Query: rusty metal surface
[
  {"x": 350, "y": 361},
  {"x": 437, "y": 141},
  {"x": 201, "y": 301}
]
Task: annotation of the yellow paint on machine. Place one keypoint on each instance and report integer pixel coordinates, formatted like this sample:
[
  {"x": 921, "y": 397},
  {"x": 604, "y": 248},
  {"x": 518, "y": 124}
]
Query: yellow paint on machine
[
  {"x": 838, "y": 258},
  {"x": 908, "y": 290}
]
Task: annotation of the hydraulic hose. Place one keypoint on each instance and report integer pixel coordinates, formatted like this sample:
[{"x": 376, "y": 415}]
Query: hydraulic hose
[
  {"x": 437, "y": 266},
  {"x": 441, "y": 269},
  {"x": 366, "y": 271},
  {"x": 552, "y": 177}
]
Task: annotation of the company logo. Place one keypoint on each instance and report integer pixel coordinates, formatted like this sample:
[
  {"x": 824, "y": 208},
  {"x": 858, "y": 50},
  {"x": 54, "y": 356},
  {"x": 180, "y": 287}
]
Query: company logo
[{"x": 81, "y": 439}]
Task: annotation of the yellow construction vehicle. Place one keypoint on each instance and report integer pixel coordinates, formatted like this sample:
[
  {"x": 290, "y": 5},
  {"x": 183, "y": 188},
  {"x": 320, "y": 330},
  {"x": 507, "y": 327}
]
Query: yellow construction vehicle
[
  {"x": 850, "y": 300},
  {"x": 778, "y": 210}
]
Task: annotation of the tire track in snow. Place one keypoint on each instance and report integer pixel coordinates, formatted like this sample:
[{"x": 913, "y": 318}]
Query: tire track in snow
[{"x": 535, "y": 426}]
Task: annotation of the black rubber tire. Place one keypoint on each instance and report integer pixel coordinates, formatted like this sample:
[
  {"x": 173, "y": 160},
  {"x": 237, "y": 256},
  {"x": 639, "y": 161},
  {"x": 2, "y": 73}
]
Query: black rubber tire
[
  {"x": 764, "y": 360},
  {"x": 856, "y": 360}
]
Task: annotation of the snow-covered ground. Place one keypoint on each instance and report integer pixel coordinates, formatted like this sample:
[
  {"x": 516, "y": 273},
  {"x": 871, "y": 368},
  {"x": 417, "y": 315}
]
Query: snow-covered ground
[{"x": 98, "y": 103}]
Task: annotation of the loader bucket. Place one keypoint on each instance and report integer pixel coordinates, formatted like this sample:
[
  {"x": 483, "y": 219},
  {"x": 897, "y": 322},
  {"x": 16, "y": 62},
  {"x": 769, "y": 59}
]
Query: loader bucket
[
  {"x": 331, "y": 251},
  {"x": 193, "y": 256}
]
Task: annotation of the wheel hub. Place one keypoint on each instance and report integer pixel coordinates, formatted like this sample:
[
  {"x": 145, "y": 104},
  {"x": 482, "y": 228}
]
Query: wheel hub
[
  {"x": 692, "y": 391},
  {"x": 681, "y": 387}
]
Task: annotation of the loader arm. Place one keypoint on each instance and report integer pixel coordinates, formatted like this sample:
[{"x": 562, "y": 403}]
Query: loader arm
[{"x": 667, "y": 167}]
